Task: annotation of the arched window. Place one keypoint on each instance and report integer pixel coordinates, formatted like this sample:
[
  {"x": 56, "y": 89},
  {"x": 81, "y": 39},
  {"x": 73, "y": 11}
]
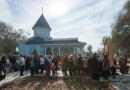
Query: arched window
[
  {"x": 48, "y": 51},
  {"x": 62, "y": 51},
  {"x": 56, "y": 50}
]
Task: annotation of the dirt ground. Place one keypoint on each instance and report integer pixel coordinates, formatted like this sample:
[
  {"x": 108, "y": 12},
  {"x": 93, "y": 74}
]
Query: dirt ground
[{"x": 57, "y": 83}]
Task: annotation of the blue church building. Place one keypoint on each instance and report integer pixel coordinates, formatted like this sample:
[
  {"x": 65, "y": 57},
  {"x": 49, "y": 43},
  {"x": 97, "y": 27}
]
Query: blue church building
[{"x": 42, "y": 43}]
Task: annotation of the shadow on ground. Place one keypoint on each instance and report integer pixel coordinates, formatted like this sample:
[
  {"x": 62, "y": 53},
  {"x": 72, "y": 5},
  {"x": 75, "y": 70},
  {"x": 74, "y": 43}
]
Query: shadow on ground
[{"x": 57, "y": 83}]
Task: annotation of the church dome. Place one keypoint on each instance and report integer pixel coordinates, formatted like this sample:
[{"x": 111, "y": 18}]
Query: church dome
[
  {"x": 41, "y": 22},
  {"x": 35, "y": 40}
]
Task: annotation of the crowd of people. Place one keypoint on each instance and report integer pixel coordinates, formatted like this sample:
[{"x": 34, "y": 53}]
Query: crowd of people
[
  {"x": 71, "y": 65},
  {"x": 42, "y": 63}
]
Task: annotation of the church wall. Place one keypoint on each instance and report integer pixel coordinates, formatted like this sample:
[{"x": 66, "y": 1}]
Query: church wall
[
  {"x": 28, "y": 49},
  {"x": 21, "y": 48},
  {"x": 42, "y": 32}
]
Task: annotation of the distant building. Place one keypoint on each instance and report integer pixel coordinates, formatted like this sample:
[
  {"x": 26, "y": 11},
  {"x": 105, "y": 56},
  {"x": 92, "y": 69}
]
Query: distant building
[{"x": 44, "y": 44}]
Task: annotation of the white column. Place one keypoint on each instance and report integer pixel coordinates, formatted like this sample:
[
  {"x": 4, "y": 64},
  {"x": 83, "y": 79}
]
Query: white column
[
  {"x": 52, "y": 50},
  {"x": 78, "y": 50},
  {"x": 81, "y": 50},
  {"x": 59, "y": 50},
  {"x": 74, "y": 49}
]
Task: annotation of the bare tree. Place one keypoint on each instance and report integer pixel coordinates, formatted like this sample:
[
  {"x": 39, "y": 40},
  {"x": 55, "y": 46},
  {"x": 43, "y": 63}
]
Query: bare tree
[
  {"x": 9, "y": 38},
  {"x": 121, "y": 29}
]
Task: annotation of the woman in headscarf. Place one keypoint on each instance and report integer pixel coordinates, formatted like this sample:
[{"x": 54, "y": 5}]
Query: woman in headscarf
[
  {"x": 122, "y": 65},
  {"x": 47, "y": 65}
]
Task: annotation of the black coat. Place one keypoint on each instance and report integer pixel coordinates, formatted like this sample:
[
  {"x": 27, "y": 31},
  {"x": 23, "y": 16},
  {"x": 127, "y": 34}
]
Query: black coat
[
  {"x": 90, "y": 64},
  {"x": 2, "y": 63},
  {"x": 95, "y": 70},
  {"x": 95, "y": 65}
]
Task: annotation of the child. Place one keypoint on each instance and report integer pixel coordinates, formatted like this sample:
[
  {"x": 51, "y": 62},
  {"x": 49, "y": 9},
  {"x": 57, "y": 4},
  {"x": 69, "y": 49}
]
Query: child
[
  {"x": 53, "y": 68},
  {"x": 32, "y": 66}
]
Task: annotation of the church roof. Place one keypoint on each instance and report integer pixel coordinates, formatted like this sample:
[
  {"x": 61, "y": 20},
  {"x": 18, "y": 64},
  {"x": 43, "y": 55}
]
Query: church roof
[
  {"x": 41, "y": 22},
  {"x": 35, "y": 40},
  {"x": 63, "y": 42},
  {"x": 39, "y": 40}
]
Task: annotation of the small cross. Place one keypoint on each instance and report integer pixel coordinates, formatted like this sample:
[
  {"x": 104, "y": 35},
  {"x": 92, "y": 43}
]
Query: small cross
[{"x": 42, "y": 9}]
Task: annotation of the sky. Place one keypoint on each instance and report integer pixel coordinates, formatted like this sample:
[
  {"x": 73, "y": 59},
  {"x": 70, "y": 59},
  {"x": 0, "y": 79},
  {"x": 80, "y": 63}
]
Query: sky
[{"x": 89, "y": 20}]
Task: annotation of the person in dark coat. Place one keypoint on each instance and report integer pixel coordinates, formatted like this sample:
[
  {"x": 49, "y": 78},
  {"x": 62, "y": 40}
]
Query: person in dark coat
[
  {"x": 47, "y": 65},
  {"x": 106, "y": 68},
  {"x": 55, "y": 61},
  {"x": 27, "y": 62},
  {"x": 113, "y": 71},
  {"x": 70, "y": 65},
  {"x": 90, "y": 57},
  {"x": 79, "y": 64},
  {"x": 65, "y": 64},
  {"x": 14, "y": 63},
  {"x": 126, "y": 61},
  {"x": 62, "y": 63},
  {"x": 12, "y": 59},
  {"x": 74, "y": 64},
  {"x": 100, "y": 67},
  {"x": 37, "y": 63},
  {"x": 122, "y": 66},
  {"x": 95, "y": 67},
  {"x": 2, "y": 66}
]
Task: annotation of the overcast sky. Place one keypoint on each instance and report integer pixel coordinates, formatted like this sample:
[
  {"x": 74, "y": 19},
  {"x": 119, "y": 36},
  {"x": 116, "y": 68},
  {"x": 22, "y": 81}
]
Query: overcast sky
[{"x": 89, "y": 20}]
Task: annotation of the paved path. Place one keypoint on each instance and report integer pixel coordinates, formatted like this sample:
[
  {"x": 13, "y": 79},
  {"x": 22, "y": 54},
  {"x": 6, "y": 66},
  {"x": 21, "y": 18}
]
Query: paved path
[
  {"x": 11, "y": 77},
  {"x": 122, "y": 82}
]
